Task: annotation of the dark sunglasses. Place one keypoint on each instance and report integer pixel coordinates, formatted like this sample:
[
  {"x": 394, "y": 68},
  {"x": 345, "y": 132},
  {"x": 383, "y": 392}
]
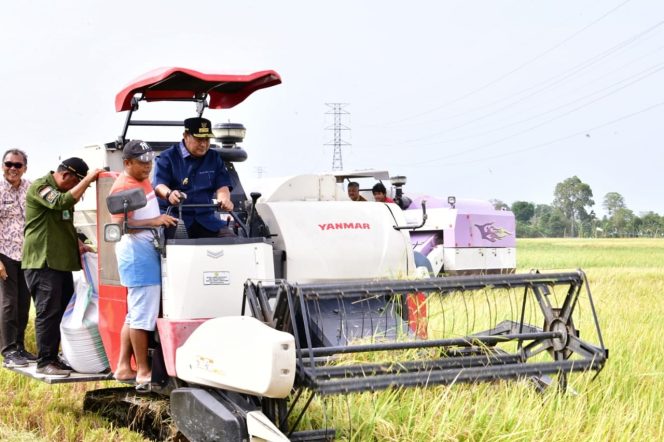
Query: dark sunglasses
[{"x": 10, "y": 164}]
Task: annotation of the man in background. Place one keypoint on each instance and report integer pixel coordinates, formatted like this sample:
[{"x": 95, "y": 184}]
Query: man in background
[
  {"x": 14, "y": 294},
  {"x": 354, "y": 192},
  {"x": 380, "y": 193},
  {"x": 51, "y": 251}
]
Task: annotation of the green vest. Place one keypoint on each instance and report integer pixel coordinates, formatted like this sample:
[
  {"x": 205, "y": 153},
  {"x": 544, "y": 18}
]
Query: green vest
[{"x": 50, "y": 237}]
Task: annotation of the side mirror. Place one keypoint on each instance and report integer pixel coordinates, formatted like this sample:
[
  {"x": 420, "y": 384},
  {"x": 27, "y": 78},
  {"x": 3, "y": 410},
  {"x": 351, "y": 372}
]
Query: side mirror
[
  {"x": 122, "y": 202},
  {"x": 126, "y": 200}
]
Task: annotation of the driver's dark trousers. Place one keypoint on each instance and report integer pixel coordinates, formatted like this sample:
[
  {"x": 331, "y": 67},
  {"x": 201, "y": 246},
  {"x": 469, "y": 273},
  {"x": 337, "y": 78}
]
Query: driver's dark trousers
[{"x": 198, "y": 231}]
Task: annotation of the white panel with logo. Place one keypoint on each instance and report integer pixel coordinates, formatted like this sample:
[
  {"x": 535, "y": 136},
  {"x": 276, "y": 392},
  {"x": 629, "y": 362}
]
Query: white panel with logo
[
  {"x": 208, "y": 280},
  {"x": 334, "y": 240}
]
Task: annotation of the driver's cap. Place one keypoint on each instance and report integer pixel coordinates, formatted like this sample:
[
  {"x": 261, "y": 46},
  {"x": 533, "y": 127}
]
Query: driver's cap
[{"x": 198, "y": 127}]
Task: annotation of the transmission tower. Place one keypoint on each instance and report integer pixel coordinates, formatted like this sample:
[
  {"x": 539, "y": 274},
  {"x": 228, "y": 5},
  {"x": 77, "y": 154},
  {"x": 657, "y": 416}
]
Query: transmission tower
[
  {"x": 337, "y": 109},
  {"x": 260, "y": 170}
]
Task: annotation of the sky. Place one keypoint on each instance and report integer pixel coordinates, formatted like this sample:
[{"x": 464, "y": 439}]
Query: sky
[{"x": 484, "y": 99}]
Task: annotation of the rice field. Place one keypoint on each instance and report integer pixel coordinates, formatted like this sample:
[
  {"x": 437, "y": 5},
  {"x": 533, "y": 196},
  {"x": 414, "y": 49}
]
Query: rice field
[{"x": 623, "y": 403}]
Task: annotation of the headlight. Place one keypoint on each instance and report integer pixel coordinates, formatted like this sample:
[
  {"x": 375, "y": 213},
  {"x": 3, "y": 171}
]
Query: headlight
[{"x": 112, "y": 232}]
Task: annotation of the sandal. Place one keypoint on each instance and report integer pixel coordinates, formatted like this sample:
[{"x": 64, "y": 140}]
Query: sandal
[
  {"x": 144, "y": 387},
  {"x": 130, "y": 381}
]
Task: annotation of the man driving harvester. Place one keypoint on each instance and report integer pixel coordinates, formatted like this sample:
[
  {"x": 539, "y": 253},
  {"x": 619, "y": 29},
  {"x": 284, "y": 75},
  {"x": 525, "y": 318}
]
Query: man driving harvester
[{"x": 191, "y": 168}]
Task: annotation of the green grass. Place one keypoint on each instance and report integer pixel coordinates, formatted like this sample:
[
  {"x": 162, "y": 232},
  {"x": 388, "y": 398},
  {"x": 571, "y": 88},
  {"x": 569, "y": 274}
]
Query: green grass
[
  {"x": 624, "y": 403},
  {"x": 36, "y": 411},
  {"x": 589, "y": 254}
]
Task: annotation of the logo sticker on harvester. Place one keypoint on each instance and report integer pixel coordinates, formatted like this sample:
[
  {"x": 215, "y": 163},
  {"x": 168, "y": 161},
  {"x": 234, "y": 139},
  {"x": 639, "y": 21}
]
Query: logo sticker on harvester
[
  {"x": 216, "y": 278},
  {"x": 492, "y": 233},
  {"x": 345, "y": 226}
]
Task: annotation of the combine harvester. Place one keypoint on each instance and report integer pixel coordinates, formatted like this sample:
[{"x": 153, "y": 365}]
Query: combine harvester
[{"x": 254, "y": 327}]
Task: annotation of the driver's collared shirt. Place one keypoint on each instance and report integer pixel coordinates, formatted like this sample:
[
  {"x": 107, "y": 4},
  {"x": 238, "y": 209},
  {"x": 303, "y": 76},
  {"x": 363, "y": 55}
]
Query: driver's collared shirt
[
  {"x": 50, "y": 236},
  {"x": 199, "y": 178}
]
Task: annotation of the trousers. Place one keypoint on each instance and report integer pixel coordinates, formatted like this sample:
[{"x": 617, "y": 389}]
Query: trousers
[
  {"x": 15, "y": 306},
  {"x": 52, "y": 290}
]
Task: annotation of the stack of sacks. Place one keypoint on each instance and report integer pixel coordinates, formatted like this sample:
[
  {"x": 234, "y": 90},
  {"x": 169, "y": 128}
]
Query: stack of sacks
[{"x": 81, "y": 343}]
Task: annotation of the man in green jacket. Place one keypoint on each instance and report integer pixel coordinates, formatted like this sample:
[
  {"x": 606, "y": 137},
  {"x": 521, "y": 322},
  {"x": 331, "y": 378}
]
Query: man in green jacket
[{"x": 51, "y": 251}]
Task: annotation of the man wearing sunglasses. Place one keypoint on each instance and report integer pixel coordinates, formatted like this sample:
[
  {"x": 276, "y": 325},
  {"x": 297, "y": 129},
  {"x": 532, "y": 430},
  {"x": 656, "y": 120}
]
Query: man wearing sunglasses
[
  {"x": 14, "y": 294},
  {"x": 51, "y": 251}
]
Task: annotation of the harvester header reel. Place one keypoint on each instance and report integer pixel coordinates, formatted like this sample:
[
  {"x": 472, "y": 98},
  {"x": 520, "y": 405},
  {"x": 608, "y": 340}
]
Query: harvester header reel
[{"x": 373, "y": 335}]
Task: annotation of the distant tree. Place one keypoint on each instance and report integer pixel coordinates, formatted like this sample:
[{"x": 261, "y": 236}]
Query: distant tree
[
  {"x": 572, "y": 197},
  {"x": 651, "y": 224},
  {"x": 621, "y": 223},
  {"x": 523, "y": 211},
  {"x": 548, "y": 221},
  {"x": 499, "y": 205},
  {"x": 637, "y": 224},
  {"x": 613, "y": 201},
  {"x": 557, "y": 225}
]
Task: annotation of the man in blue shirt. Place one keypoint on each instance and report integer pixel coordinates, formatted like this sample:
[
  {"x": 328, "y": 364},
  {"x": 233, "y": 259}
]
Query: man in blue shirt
[{"x": 191, "y": 167}]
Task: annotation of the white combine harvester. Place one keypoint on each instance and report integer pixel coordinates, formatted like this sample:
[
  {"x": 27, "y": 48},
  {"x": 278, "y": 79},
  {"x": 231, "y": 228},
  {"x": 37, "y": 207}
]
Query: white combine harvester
[{"x": 252, "y": 326}]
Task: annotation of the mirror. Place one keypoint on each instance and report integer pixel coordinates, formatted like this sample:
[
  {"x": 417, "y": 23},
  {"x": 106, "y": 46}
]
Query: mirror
[{"x": 133, "y": 198}]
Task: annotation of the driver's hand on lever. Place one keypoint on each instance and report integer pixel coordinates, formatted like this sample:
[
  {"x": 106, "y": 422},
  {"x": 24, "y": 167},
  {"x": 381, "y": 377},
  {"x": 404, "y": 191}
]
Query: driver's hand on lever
[
  {"x": 175, "y": 197},
  {"x": 224, "y": 199}
]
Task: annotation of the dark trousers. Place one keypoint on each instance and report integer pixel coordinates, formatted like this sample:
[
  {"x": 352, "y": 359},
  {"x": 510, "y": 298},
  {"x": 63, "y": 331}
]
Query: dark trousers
[
  {"x": 198, "y": 231},
  {"x": 52, "y": 290},
  {"x": 15, "y": 301}
]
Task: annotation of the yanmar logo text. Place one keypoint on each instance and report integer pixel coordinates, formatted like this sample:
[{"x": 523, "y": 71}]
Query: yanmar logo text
[{"x": 345, "y": 226}]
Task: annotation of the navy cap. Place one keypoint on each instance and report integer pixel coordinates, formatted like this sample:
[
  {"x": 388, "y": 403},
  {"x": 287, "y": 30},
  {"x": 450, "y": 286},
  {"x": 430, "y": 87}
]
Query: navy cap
[
  {"x": 76, "y": 166},
  {"x": 138, "y": 149},
  {"x": 198, "y": 127}
]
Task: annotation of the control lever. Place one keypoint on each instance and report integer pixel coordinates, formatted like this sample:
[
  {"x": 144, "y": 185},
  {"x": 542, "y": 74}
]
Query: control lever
[
  {"x": 254, "y": 198},
  {"x": 181, "y": 228}
]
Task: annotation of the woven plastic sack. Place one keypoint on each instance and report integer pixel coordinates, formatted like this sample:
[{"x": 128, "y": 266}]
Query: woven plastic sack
[{"x": 82, "y": 346}]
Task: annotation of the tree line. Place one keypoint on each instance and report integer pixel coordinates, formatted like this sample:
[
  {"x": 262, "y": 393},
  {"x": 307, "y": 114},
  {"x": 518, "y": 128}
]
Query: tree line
[{"x": 571, "y": 214}]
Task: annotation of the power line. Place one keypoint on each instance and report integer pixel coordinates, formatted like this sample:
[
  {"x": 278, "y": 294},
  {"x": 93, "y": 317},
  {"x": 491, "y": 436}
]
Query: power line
[
  {"x": 516, "y": 69},
  {"x": 534, "y": 90},
  {"x": 613, "y": 88},
  {"x": 548, "y": 143}
]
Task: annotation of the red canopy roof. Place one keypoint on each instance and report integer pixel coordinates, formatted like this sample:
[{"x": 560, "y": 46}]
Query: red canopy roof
[{"x": 225, "y": 91}]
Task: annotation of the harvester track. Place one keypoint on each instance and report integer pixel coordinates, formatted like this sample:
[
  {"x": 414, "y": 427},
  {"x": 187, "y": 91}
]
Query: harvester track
[{"x": 147, "y": 414}]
